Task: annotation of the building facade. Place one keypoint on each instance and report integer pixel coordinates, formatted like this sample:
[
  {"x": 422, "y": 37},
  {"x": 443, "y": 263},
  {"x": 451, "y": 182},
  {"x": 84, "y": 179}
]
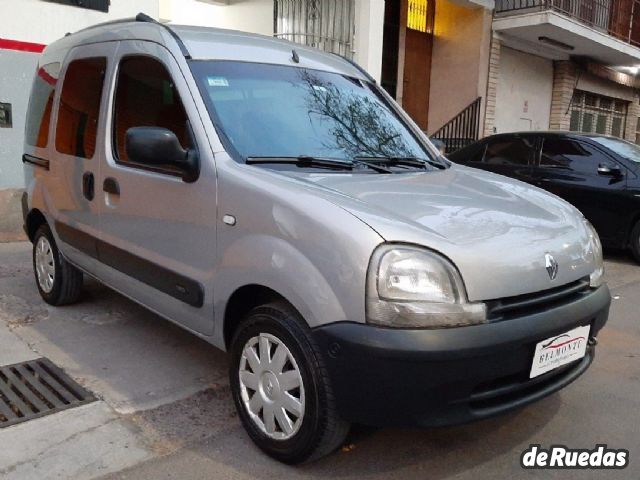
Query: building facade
[
  {"x": 462, "y": 69},
  {"x": 565, "y": 65}
]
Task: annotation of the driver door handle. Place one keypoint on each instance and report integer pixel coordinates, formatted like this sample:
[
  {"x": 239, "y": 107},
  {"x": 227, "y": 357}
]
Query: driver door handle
[{"x": 111, "y": 186}]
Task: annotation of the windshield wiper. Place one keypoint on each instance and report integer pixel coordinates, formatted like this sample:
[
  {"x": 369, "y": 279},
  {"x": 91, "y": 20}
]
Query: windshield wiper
[
  {"x": 405, "y": 161},
  {"x": 304, "y": 161}
]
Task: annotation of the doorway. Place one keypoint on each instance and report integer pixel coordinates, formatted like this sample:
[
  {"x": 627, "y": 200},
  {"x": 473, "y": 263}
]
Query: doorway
[{"x": 406, "y": 55}]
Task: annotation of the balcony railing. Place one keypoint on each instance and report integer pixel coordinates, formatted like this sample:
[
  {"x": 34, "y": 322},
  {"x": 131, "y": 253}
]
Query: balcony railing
[{"x": 618, "y": 18}]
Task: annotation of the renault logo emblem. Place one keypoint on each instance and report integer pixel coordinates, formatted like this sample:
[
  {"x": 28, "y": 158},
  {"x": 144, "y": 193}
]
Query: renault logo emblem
[{"x": 551, "y": 265}]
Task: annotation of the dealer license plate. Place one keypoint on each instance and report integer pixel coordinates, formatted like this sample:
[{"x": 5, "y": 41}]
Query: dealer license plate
[{"x": 559, "y": 350}]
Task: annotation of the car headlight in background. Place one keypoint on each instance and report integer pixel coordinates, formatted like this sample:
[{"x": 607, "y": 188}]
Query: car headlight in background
[
  {"x": 412, "y": 287},
  {"x": 597, "y": 276}
]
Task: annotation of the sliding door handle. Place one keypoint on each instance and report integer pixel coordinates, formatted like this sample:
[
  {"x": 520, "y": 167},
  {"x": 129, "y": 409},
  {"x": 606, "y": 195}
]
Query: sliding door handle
[{"x": 88, "y": 186}]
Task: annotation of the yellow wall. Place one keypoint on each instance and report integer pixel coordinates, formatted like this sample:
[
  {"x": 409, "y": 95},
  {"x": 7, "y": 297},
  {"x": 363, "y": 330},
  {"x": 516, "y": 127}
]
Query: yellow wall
[{"x": 459, "y": 61}]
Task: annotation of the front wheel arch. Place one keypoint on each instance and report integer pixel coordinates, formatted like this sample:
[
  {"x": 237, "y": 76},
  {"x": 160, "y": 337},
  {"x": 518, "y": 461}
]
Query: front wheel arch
[{"x": 242, "y": 301}]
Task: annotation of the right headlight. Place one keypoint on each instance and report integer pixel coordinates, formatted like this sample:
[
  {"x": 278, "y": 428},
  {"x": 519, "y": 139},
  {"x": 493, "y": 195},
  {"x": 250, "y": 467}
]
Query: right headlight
[
  {"x": 597, "y": 276},
  {"x": 412, "y": 287}
]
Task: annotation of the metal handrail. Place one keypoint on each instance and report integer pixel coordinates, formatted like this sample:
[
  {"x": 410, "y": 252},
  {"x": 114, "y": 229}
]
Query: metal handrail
[{"x": 462, "y": 129}]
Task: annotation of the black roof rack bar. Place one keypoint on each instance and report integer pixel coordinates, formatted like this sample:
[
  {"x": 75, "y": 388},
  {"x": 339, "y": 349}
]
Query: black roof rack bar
[
  {"x": 357, "y": 67},
  {"x": 143, "y": 17}
]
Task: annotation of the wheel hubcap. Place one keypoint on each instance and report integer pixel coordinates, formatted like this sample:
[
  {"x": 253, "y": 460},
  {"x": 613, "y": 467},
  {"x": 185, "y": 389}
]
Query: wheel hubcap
[
  {"x": 271, "y": 387},
  {"x": 45, "y": 264}
]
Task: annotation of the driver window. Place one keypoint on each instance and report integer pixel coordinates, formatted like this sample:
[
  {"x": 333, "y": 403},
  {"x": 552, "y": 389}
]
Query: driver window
[{"x": 146, "y": 97}]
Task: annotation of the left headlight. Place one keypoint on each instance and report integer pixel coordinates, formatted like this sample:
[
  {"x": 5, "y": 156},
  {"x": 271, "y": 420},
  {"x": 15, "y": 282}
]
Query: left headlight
[
  {"x": 597, "y": 276},
  {"x": 412, "y": 287}
]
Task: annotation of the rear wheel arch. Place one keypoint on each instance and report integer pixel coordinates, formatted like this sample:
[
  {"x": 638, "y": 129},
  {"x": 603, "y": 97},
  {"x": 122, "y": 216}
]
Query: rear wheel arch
[{"x": 34, "y": 220}]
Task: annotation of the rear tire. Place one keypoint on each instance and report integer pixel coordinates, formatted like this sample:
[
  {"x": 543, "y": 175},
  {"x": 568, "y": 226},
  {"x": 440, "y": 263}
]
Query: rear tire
[
  {"x": 634, "y": 242},
  {"x": 58, "y": 282},
  {"x": 291, "y": 369}
]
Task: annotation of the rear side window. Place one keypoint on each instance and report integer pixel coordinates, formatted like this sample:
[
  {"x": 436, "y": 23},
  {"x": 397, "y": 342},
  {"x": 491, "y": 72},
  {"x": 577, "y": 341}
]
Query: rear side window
[
  {"x": 77, "y": 125},
  {"x": 41, "y": 104},
  {"x": 146, "y": 97},
  {"x": 570, "y": 154},
  {"x": 513, "y": 151}
]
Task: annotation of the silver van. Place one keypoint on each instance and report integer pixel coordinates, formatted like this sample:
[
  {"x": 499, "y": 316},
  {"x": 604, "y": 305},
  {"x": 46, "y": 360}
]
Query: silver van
[{"x": 273, "y": 200}]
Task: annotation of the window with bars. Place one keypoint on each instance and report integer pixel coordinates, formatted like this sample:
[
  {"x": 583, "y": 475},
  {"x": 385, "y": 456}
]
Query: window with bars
[
  {"x": 324, "y": 24},
  {"x": 420, "y": 15},
  {"x": 592, "y": 113}
]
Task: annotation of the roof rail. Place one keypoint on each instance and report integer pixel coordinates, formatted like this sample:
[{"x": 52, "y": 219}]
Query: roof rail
[
  {"x": 357, "y": 67},
  {"x": 143, "y": 17}
]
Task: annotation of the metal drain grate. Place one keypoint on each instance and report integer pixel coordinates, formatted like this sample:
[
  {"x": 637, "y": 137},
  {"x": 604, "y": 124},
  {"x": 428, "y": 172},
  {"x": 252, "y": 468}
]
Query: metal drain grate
[{"x": 33, "y": 389}]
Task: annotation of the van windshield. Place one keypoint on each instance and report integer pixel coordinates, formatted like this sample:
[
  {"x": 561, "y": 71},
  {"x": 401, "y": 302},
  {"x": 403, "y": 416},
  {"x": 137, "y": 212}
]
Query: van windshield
[{"x": 280, "y": 111}]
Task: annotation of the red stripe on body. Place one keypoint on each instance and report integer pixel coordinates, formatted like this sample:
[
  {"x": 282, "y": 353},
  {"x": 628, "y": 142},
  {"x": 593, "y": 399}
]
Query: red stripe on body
[{"x": 6, "y": 44}]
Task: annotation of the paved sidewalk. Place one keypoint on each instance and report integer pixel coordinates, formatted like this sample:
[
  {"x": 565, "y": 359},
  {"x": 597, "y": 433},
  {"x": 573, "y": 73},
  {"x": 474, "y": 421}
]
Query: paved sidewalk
[{"x": 83, "y": 442}]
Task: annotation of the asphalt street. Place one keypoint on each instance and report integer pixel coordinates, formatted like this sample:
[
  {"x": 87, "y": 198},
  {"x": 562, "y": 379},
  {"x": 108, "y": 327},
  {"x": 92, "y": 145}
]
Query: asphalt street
[{"x": 164, "y": 409}]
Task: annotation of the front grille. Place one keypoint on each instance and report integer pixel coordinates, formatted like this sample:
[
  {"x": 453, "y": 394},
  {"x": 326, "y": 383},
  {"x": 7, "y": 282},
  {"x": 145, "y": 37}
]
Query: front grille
[
  {"x": 33, "y": 389},
  {"x": 499, "y": 394},
  {"x": 510, "y": 307}
]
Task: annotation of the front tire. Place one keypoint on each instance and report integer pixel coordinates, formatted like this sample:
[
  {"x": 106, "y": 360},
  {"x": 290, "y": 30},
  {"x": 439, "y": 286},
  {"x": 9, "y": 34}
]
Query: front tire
[
  {"x": 281, "y": 388},
  {"x": 59, "y": 282}
]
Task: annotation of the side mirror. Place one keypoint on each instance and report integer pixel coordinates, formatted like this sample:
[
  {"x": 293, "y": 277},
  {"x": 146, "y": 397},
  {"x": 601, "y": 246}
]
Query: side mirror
[
  {"x": 609, "y": 170},
  {"x": 156, "y": 146}
]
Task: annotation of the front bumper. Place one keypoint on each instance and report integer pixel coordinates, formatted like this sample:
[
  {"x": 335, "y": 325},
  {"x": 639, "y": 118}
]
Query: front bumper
[{"x": 385, "y": 377}]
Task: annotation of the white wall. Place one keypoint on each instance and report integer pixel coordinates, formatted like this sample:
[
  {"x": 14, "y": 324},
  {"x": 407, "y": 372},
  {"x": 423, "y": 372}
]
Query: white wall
[
  {"x": 17, "y": 69},
  {"x": 254, "y": 16},
  {"x": 523, "y": 95},
  {"x": 369, "y": 28},
  {"x": 43, "y": 22}
]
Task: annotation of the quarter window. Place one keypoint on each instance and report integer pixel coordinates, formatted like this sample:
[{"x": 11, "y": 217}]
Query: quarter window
[
  {"x": 79, "y": 110},
  {"x": 571, "y": 155},
  {"x": 146, "y": 97},
  {"x": 514, "y": 151},
  {"x": 41, "y": 104}
]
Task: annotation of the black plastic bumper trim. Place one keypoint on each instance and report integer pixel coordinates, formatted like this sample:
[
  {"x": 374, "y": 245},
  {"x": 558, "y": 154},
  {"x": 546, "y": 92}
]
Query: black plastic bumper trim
[
  {"x": 398, "y": 377},
  {"x": 167, "y": 281}
]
